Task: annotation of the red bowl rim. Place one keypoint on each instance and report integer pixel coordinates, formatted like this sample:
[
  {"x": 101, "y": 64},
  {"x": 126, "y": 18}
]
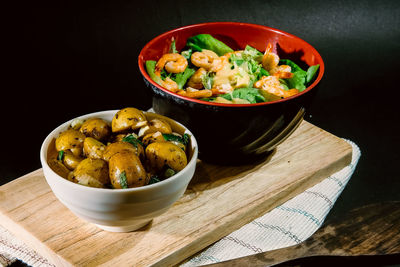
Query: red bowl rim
[{"x": 144, "y": 72}]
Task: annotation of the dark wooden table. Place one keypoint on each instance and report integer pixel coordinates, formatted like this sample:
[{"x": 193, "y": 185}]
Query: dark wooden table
[{"x": 67, "y": 59}]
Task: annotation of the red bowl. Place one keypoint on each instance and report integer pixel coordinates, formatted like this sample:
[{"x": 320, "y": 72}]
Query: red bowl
[{"x": 235, "y": 133}]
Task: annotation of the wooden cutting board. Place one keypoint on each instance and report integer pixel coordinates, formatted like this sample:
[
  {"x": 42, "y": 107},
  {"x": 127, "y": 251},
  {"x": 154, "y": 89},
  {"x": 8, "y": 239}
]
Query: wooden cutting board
[{"x": 219, "y": 200}]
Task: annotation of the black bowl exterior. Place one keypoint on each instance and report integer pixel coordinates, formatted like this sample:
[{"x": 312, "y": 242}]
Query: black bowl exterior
[{"x": 234, "y": 135}]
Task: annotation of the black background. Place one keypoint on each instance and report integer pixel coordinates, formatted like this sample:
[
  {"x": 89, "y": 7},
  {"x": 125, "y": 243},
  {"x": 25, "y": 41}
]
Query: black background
[{"x": 65, "y": 59}]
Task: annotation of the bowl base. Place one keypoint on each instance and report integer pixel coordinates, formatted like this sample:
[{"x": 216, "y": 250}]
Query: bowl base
[{"x": 125, "y": 228}]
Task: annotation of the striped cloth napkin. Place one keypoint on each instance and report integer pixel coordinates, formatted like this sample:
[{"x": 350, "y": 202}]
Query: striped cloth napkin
[{"x": 286, "y": 225}]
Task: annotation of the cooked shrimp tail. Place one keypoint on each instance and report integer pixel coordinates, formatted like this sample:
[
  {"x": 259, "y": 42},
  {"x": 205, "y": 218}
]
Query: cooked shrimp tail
[{"x": 172, "y": 62}]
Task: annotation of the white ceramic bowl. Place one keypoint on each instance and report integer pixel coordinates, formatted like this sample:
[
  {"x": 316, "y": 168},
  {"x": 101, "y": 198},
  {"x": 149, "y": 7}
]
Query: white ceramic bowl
[{"x": 119, "y": 210}]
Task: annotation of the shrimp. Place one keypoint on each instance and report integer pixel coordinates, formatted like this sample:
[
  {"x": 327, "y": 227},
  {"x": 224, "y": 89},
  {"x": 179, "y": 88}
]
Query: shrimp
[
  {"x": 203, "y": 59},
  {"x": 196, "y": 80},
  {"x": 219, "y": 63},
  {"x": 223, "y": 88},
  {"x": 169, "y": 84},
  {"x": 172, "y": 62},
  {"x": 270, "y": 60},
  {"x": 271, "y": 85},
  {"x": 282, "y": 72},
  {"x": 194, "y": 93}
]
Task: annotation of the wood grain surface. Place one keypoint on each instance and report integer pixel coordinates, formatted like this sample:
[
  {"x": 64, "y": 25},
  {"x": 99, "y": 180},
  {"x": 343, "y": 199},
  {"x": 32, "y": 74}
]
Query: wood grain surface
[
  {"x": 219, "y": 200},
  {"x": 372, "y": 230}
]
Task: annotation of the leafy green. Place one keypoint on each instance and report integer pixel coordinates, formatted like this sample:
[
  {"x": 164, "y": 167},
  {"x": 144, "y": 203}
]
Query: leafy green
[
  {"x": 60, "y": 156},
  {"x": 311, "y": 71},
  {"x": 169, "y": 172},
  {"x": 154, "y": 179},
  {"x": 252, "y": 95},
  {"x": 293, "y": 65},
  {"x": 208, "y": 79},
  {"x": 187, "y": 53},
  {"x": 298, "y": 80},
  {"x": 122, "y": 180},
  {"x": 150, "y": 67},
  {"x": 182, "y": 77},
  {"x": 206, "y": 41},
  {"x": 172, "y": 137},
  {"x": 250, "y": 52},
  {"x": 132, "y": 139},
  {"x": 172, "y": 48}
]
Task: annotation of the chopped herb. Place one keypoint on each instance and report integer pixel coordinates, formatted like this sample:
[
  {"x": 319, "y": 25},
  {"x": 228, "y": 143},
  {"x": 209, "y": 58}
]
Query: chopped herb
[
  {"x": 208, "y": 80},
  {"x": 122, "y": 180},
  {"x": 172, "y": 49},
  {"x": 132, "y": 139},
  {"x": 169, "y": 172},
  {"x": 60, "y": 156},
  {"x": 154, "y": 179},
  {"x": 187, "y": 53},
  {"x": 172, "y": 137}
]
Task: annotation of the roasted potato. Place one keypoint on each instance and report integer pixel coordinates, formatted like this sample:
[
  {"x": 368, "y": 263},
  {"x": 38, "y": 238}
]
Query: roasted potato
[
  {"x": 70, "y": 160},
  {"x": 97, "y": 128},
  {"x": 92, "y": 172},
  {"x": 126, "y": 170},
  {"x": 152, "y": 137},
  {"x": 159, "y": 154},
  {"x": 155, "y": 125},
  {"x": 117, "y": 147},
  {"x": 126, "y": 119},
  {"x": 70, "y": 140},
  {"x": 92, "y": 148}
]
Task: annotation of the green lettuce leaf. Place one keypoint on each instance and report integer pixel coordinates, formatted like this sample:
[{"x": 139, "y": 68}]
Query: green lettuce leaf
[
  {"x": 252, "y": 53},
  {"x": 298, "y": 80},
  {"x": 311, "y": 72},
  {"x": 181, "y": 78},
  {"x": 206, "y": 41},
  {"x": 252, "y": 95},
  {"x": 150, "y": 67}
]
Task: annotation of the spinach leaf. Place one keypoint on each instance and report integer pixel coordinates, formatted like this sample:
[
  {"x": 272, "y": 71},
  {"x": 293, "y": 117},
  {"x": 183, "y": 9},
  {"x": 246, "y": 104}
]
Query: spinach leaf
[
  {"x": 311, "y": 72},
  {"x": 298, "y": 80},
  {"x": 182, "y": 77},
  {"x": 293, "y": 65},
  {"x": 132, "y": 139},
  {"x": 253, "y": 95},
  {"x": 150, "y": 67},
  {"x": 206, "y": 41}
]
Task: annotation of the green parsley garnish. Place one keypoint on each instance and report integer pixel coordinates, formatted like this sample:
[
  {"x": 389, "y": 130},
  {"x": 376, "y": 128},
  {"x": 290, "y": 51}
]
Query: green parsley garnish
[
  {"x": 172, "y": 137},
  {"x": 132, "y": 139},
  {"x": 169, "y": 172},
  {"x": 154, "y": 179},
  {"x": 60, "y": 156},
  {"x": 122, "y": 180}
]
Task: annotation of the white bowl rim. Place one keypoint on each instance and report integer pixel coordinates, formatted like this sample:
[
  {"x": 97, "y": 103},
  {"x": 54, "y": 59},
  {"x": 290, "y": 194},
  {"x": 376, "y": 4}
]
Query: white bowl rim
[{"x": 57, "y": 130}]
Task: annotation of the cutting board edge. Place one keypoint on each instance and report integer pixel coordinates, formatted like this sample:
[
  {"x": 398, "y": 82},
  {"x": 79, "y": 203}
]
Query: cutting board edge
[{"x": 31, "y": 241}]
